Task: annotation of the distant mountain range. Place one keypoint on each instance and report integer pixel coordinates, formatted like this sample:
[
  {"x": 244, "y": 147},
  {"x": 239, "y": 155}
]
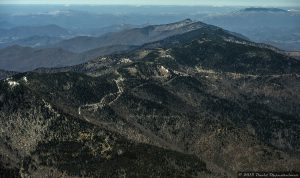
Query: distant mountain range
[
  {"x": 33, "y": 36},
  {"x": 45, "y": 36},
  {"x": 81, "y": 49},
  {"x": 32, "y": 41},
  {"x": 5, "y": 25},
  {"x": 132, "y": 37},
  {"x": 29, "y": 31},
  {"x": 260, "y": 9},
  {"x": 277, "y": 27},
  {"x": 199, "y": 103}
]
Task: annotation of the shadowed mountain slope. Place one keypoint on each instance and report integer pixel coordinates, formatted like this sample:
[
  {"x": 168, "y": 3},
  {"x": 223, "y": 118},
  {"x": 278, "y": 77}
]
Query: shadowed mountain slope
[{"x": 22, "y": 59}]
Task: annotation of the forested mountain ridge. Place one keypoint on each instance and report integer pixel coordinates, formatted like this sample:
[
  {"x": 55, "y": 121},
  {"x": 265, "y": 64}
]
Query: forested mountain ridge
[{"x": 204, "y": 103}]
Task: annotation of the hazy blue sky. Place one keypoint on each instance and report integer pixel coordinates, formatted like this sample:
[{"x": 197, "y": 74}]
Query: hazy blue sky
[{"x": 163, "y": 2}]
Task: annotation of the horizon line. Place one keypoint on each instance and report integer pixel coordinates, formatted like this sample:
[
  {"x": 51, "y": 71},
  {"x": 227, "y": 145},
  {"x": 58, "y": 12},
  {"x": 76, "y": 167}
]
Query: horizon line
[{"x": 187, "y": 5}]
